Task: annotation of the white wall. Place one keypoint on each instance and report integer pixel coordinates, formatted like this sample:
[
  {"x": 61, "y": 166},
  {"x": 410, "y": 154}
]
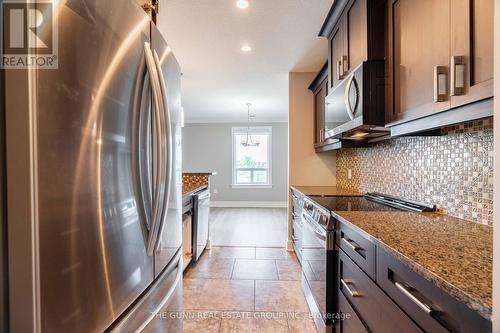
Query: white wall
[{"x": 208, "y": 147}]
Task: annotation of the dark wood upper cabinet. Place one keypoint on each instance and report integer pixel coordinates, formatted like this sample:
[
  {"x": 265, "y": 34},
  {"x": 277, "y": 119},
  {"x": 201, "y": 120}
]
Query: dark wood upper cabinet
[
  {"x": 419, "y": 56},
  {"x": 356, "y": 30},
  {"x": 471, "y": 51},
  {"x": 319, "y": 88},
  {"x": 319, "y": 113},
  {"x": 351, "y": 37},
  {"x": 337, "y": 61},
  {"x": 440, "y": 56}
]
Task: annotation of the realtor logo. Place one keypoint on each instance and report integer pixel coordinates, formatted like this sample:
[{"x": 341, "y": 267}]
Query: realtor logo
[{"x": 29, "y": 34}]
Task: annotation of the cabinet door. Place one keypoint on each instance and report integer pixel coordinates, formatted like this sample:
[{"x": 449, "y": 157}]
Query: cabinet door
[
  {"x": 471, "y": 64},
  {"x": 419, "y": 42},
  {"x": 356, "y": 33},
  {"x": 349, "y": 321},
  {"x": 338, "y": 59},
  {"x": 319, "y": 109}
]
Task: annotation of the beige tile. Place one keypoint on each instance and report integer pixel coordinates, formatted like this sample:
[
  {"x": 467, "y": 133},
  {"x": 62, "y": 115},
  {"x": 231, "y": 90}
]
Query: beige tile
[
  {"x": 211, "y": 268},
  {"x": 201, "y": 321},
  {"x": 255, "y": 270},
  {"x": 231, "y": 252},
  {"x": 301, "y": 323},
  {"x": 276, "y": 296},
  {"x": 252, "y": 322},
  {"x": 273, "y": 253},
  {"x": 228, "y": 295},
  {"x": 288, "y": 270}
]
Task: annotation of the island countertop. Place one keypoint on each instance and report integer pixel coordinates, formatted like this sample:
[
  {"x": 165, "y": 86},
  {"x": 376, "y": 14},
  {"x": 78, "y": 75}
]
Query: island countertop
[
  {"x": 454, "y": 254},
  {"x": 195, "y": 181},
  {"x": 189, "y": 189},
  {"x": 205, "y": 173}
]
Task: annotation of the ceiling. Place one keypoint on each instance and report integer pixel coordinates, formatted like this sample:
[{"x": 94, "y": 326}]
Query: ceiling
[{"x": 218, "y": 78}]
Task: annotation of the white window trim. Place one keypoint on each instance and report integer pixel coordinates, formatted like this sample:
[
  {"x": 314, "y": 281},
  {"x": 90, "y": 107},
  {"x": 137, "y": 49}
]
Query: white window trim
[{"x": 268, "y": 130}]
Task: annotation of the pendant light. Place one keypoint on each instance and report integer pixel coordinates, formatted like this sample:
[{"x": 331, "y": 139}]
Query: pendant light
[{"x": 248, "y": 141}]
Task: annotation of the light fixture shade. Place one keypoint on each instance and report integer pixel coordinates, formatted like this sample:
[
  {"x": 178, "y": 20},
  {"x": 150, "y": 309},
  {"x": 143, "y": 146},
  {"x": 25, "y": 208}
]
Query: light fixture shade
[{"x": 248, "y": 141}]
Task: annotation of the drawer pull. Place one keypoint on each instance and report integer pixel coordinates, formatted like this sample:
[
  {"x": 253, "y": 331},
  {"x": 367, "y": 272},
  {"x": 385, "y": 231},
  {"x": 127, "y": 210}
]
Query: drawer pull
[
  {"x": 351, "y": 243},
  {"x": 346, "y": 283},
  {"x": 414, "y": 299}
]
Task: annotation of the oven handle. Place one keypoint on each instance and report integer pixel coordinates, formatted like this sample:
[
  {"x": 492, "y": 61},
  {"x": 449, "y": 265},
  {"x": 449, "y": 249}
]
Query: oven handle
[{"x": 320, "y": 234}]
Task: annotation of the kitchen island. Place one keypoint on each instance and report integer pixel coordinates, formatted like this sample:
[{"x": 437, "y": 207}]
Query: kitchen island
[{"x": 195, "y": 213}]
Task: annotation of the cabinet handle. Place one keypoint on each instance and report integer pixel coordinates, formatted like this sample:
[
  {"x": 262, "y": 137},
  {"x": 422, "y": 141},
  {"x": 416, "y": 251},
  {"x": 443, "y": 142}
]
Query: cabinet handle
[
  {"x": 341, "y": 67},
  {"x": 413, "y": 298},
  {"x": 339, "y": 70},
  {"x": 457, "y": 75},
  {"x": 349, "y": 243},
  {"x": 343, "y": 60},
  {"x": 345, "y": 284},
  {"x": 440, "y": 73}
]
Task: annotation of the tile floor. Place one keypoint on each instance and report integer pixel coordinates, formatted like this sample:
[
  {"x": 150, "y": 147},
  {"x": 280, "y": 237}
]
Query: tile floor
[{"x": 245, "y": 289}]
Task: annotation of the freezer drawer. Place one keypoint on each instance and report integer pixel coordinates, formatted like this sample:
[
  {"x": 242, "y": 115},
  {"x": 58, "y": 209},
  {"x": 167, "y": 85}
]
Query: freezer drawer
[{"x": 160, "y": 308}]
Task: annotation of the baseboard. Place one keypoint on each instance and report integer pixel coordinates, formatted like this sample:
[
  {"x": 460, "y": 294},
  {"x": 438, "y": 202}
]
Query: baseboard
[{"x": 249, "y": 204}]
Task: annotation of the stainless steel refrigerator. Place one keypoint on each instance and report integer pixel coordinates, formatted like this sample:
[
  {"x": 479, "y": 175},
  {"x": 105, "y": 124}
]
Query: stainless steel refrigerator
[{"x": 93, "y": 171}]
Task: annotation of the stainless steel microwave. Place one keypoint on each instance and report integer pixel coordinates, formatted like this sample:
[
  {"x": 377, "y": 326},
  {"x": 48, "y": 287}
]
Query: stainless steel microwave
[{"x": 355, "y": 108}]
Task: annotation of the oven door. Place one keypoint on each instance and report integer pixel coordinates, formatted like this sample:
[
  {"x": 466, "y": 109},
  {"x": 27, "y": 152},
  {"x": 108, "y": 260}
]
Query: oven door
[{"x": 314, "y": 270}]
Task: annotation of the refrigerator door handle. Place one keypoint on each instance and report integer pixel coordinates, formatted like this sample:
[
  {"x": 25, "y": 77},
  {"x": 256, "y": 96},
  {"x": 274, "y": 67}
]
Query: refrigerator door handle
[
  {"x": 169, "y": 157},
  {"x": 159, "y": 189},
  {"x": 140, "y": 160}
]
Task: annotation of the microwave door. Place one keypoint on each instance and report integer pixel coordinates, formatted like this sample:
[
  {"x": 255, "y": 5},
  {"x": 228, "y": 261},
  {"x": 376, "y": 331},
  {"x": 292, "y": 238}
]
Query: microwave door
[{"x": 337, "y": 114}]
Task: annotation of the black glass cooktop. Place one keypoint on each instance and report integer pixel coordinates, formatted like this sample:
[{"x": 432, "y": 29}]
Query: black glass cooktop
[{"x": 349, "y": 204}]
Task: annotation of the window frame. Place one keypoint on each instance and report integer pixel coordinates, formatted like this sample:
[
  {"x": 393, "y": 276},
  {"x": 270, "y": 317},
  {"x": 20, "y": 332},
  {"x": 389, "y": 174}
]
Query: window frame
[{"x": 255, "y": 130}]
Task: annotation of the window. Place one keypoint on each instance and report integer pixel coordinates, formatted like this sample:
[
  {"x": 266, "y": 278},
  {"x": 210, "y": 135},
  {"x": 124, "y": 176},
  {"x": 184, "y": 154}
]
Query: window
[{"x": 252, "y": 164}]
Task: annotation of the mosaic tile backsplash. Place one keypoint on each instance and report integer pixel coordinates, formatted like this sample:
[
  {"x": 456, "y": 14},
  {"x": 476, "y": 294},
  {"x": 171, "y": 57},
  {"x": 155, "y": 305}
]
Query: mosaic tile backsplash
[{"x": 454, "y": 171}]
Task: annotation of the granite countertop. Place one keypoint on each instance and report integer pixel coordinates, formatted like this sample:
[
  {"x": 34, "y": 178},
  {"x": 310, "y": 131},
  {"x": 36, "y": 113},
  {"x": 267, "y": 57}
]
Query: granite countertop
[
  {"x": 326, "y": 191},
  {"x": 454, "y": 254},
  {"x": 208, "y": 173},
  {"x": 188, "y": 189}
]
